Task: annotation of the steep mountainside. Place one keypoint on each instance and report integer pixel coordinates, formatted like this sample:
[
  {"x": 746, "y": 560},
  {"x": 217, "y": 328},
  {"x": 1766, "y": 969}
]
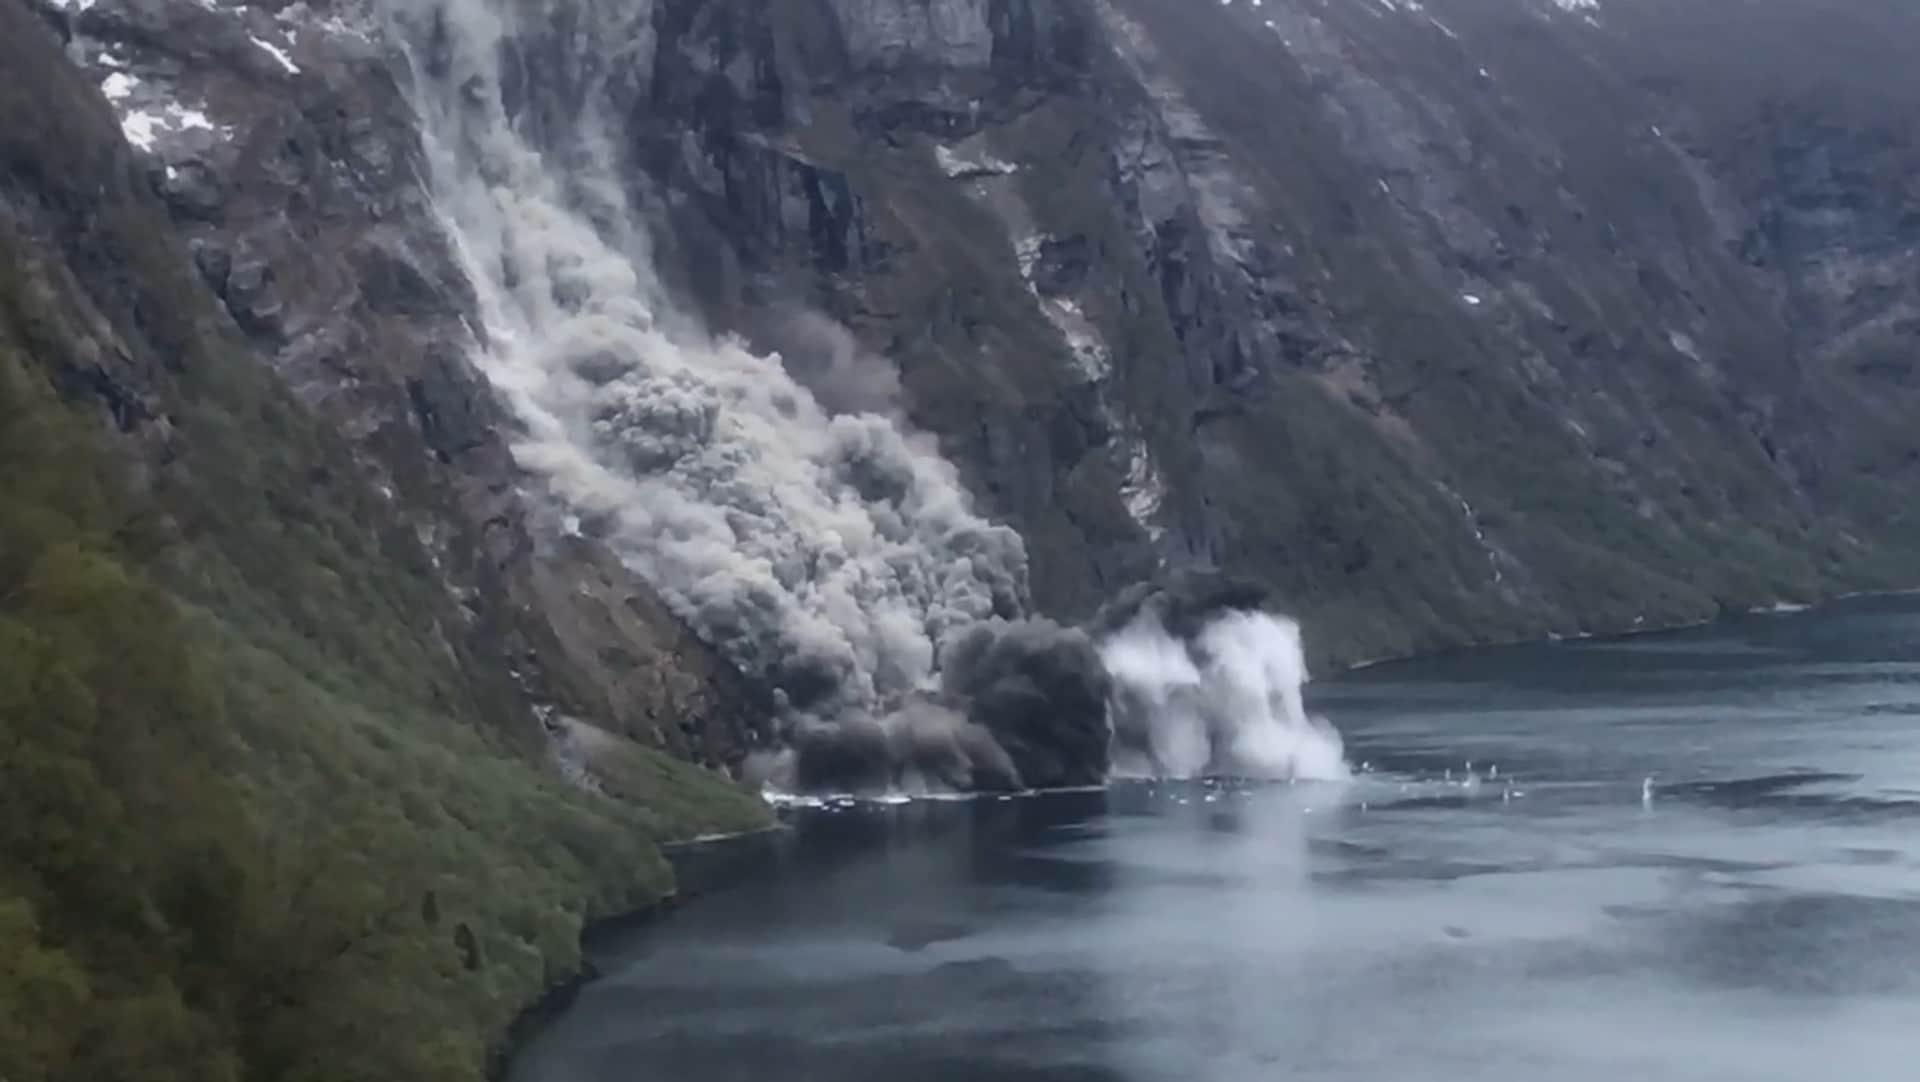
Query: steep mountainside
[
  {"x": 279, "y": 797},
  {"x": 1455, "y": 320},
  {"x": 299, "y": 200},
  {"x": 1465, "y": 320},
  {"x": 433, "y": 345}
]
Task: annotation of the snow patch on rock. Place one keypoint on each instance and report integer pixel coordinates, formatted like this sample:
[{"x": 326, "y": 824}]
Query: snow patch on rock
[
  {"x": 1142, "y": 491},
  {"x": 147, "y": 115},
  {"x": 961, "y": 165},
  {"x": 119, "y": 86},
  {"x": 275, "y": 51},
  {"x": 331, "y": 24},
  {"x": 1090, "y": 353},
  {"x": 1472, "y": 518}
]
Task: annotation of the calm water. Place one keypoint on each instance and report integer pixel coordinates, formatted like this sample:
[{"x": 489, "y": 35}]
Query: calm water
[{"x": 1753, "y": 916}]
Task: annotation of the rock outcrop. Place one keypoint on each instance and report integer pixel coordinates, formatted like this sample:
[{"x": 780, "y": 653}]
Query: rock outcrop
[
  {"x": 283, "y": 143},
  {"x": 1451, "y": 321}
]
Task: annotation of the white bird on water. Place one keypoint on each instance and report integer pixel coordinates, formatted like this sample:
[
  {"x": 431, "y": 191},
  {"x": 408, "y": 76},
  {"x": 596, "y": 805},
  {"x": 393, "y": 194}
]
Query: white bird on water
[{"x": 1646, "y": 792}]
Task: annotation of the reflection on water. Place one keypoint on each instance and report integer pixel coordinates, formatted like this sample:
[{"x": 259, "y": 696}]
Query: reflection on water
[{"x": 1691, "y": 856}]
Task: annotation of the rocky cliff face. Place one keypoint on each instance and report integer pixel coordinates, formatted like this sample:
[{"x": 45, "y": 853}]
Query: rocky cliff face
[
  {"x": 298, "y": 662},
  {"x": 1452, "y": 320},
  {"x": 1484, "y": 318},
  {"x": 283, "y": 145}
]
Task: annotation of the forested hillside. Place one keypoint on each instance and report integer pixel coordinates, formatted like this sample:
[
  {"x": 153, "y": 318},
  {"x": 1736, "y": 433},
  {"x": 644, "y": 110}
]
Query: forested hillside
[
  {"x": 213, "y": 866},
  {"x": 262, "y": 815}
]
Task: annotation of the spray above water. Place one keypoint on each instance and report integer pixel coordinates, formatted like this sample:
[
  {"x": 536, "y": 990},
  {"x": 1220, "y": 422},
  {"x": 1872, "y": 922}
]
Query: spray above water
[{"x": 1205, "y": 682}]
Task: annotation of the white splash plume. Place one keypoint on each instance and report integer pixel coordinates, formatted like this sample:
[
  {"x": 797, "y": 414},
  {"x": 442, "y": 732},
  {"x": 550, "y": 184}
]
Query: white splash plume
[{"x": 1227, "y": 701}]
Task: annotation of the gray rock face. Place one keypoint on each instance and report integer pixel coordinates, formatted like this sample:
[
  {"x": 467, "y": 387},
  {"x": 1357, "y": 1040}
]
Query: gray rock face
[
  {"x": 285, "y": 147},
  {"x": 1471, "y": 319},
  {"x": 894, "y": 33},
  {"x": 1464, "y": 320}
]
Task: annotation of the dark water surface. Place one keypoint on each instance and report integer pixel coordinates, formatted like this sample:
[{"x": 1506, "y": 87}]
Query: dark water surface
[{"x": 1755, "y": 915}]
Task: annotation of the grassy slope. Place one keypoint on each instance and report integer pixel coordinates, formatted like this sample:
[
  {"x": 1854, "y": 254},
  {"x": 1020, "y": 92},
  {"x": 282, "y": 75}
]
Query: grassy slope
[{"x": 343, "y": 858}]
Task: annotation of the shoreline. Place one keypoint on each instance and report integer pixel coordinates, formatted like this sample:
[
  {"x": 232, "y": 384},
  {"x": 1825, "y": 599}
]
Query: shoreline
[
  {"x": 597, "y": 933},
  {"x": 554, "y": 1001},
  {"x": 557, "y": 998},
  {"x": 1772, "y": 609}
]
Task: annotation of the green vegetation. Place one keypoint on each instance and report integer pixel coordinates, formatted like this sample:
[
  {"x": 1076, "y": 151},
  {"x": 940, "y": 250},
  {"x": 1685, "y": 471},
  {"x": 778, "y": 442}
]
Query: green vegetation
[
  {"x": 212, "y": 866},
  {"x": 266, "y": 811}
]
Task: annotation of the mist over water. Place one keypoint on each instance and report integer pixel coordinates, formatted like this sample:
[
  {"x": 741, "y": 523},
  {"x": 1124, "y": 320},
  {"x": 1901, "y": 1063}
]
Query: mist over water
[{"x": 1227, "y": 702}]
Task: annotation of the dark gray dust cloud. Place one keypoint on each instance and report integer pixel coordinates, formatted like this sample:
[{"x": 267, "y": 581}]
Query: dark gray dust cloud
[{"x": 1020, "y": 704}]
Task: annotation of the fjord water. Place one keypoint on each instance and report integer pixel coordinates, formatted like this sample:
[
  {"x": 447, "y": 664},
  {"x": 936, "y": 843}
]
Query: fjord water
[{"x": 1685, "y": 856}]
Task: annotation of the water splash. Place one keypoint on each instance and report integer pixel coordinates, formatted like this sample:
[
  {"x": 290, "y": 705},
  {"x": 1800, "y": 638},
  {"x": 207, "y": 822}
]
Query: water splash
[{"x": 1226, "y": 700}]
